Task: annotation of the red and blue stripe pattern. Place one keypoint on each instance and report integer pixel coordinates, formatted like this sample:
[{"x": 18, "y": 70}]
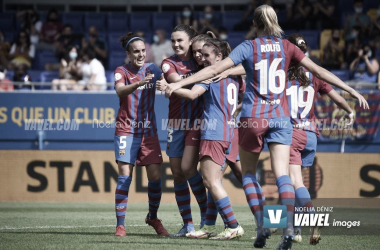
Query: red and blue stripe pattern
[
  {"x": 180, "y": 108},
  {"x": 154, "y": 195},
  {"x": 255, "y": 197},
  {"x": 220, "y": 101},
  {"x": 121, "y": 198},
  {"x": 225, "y": 210},
  {"x": 212, "y": 212},
  {"x": 199, "y": 191},
  {"x": 182, "y": 196},
  {"x": 137, "y": 108},
  {"x": 287, "y": 197}
]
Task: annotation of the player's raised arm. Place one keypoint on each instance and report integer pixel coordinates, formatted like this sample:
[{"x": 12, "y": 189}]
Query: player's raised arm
[
  {"x": 330, "y": 78},
  {"x": 124, "y": 90},
  {"x": 204, "y": 74}
]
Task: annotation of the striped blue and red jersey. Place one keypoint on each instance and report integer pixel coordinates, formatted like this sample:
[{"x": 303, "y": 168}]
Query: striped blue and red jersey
[
  {"x": 301, "y": 101},
  {"x": 180, "y": 109},
  {"x": 136, "y": 113},
  {"x": 266, "y": 61},
  {"x": 221, "y": 100}
]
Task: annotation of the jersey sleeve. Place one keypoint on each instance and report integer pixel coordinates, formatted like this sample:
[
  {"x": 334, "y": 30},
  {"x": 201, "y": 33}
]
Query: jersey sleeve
[
  {"x": 120, "y": 76},
  {"x": 296, "y": 54},
  {"x": 241, "y": 85},
  {"x": 241, "y": 52},
  {"x": 155, "y": 70},
  {"x": 206, "y": 86},
  {"x": 168, "y": 68},
  {"x": 323, "y": 87}
]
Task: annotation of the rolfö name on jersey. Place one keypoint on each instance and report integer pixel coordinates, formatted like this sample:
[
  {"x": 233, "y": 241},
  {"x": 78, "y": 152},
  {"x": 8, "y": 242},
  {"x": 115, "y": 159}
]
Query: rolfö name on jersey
[{"x": 270, "y": 48}]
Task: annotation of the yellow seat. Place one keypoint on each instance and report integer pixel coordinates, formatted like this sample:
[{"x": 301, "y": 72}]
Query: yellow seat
[
  {"x": 372, "y": 13},
  {"x": 325, "y": 36}
]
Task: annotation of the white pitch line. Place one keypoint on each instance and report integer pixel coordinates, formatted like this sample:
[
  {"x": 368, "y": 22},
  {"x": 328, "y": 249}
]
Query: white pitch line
[{"x": 71, "y": 227}]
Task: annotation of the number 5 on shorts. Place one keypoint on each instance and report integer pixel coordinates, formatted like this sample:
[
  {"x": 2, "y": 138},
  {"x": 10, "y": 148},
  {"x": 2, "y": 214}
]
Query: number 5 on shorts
[{"x": 123, "y": 142}]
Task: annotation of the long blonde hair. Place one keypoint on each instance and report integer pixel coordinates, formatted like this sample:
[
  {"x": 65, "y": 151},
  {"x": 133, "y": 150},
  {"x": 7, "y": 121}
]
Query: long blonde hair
[{"x": 266, "y": 19}]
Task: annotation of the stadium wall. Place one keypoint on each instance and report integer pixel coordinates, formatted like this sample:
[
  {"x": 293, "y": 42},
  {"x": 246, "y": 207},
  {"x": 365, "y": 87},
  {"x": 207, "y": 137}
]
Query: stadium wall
[
  {"x": 90, "y": 176},
  {"x": 92, "y": 126}
]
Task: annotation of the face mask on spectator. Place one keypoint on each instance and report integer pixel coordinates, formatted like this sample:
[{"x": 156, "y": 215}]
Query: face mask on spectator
[
  {"x": 208, "y": 16},
  {"x": 2, "y": 76},
  {"x": 378, "y": 12},
  {"x": 358, "y": 10},
  {"x": 156, "y": 39},
  {"x": 223, "y": 37},
  {"x": 307, "y": 54},
  {"x": 369, "y": 53},
  {"x": 73, "y": 55},
  {"x": 186, "y": 13}
]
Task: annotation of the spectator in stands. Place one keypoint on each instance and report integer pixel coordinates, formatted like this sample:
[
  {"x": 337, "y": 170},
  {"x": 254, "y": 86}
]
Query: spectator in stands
[
  {"x": 246, "y": 20},
  {"x": 354, "y": 44},
  {"x": 359, "y": 19},
  {"x": 365, "y": 69},
  {"x": 22, "y": 51},
  {"x": 161, "y": 48},
  {"x": 187, "y": 17},
  {"x": 21, "y": 75},
  {"x": 50, "y": 30},
  {"x": 100, "y": 46},
  {"x": 92, "y": 71},
  {"x": 5, "y": 84},
  {"x": 209, "y": 22},
  {"x": 69, "y": 71},
  {"x": 223, "y": 34},
  {"x": 298, "y": 15},
  {"x": 5, "y": 47},
  {"x": 323, "y": 15},
  {"x": 333, "y": 52},
  {"x": 31, "y": 23}
]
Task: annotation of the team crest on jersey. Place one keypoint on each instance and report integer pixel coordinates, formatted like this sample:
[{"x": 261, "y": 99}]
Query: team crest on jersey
[
  {"x": 121, "y": 152},
  {"x": 165, "y": 67},
  {"x": 117, "y": 76}
]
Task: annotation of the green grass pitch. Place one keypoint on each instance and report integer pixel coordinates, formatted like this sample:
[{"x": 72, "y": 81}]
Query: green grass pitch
[{"x": 91, "y": 226}]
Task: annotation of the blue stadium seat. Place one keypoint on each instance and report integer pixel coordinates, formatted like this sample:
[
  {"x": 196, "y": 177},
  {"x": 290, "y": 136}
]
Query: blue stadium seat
[
  {"x": 235, "y": 38},
  {"x": 95, "y": 19},
  {"x": 312, "y": 38},
  {"x": 163, "y": 21},
  {"x": 35, "y": 75},
  {"x": 43, "y": 57},
  {"x": 140, "y": 21},
  {"x": 110, "y": 79},
  {"x": 49, "y": 76},
  {"x": 7, "y": 21},
  {"x": 115, "y": 59},
  {"x": 343, "y": 75},
  {"x": 113, "y": 42},
  {"x": 117, "y": 22},
  {"x": 10, "y": 37},
  {"x": 230, "y": 19},
  {"x": 10, "y": 74},
  {"x": 74, "y": 19}
]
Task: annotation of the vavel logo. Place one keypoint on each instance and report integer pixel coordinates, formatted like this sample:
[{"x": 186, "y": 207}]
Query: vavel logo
[{"x": 275, "y": 216}]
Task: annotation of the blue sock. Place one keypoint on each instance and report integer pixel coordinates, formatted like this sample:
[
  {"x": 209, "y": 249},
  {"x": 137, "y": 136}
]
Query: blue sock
[
  {"x": 199, "y": 191},
  {"x": 287, "y": 196},
  {"x": 224, "y": 208},
  {"x": 182, "y": 196},
  {"x": 154, "y": 195},
  {"x": 212, "y": 212},
  {"x": 121, "y": 198},
  {"x": 255, "y": 197}
]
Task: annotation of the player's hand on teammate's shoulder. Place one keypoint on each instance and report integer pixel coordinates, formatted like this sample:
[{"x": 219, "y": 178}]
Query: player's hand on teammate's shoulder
[{"x": 221, "y": 76}]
